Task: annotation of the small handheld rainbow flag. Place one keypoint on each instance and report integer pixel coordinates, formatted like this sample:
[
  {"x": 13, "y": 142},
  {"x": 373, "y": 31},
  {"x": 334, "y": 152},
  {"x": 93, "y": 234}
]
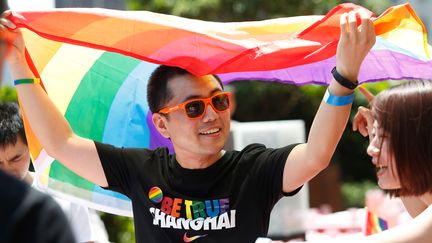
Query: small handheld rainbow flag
[{"x": 374, "y": 224}]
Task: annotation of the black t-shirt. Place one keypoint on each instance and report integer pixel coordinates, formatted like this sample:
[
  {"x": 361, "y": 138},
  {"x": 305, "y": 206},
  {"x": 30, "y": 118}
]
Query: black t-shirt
[
  {"x": 27, "y": 215},
  {"x": 230, "y": 201}
]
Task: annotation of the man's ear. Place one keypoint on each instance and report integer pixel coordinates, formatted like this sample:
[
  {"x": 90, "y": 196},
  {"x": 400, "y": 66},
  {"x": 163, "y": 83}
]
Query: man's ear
[{"x": 159, "y": 121}]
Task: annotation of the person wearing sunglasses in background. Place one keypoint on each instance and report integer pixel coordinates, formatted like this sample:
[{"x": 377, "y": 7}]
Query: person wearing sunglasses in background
[
  {"x": 26, "y": 215},
  {"x": 200, "y": 192}
]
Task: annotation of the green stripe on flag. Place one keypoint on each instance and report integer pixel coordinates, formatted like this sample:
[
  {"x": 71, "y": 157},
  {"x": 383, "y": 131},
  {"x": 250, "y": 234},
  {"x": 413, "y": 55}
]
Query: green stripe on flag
[{"x": 90, "y": 105}]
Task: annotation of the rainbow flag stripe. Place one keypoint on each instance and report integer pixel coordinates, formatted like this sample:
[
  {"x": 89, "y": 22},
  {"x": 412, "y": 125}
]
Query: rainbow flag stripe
[
  {"x": 95, "y": 69},
  {"x": 374, "y": 224}
]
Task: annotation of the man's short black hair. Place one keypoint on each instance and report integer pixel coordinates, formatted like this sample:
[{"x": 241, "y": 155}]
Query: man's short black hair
[
  {"x": 11, "y": 124},
  {"x": 158, "y": 93}
]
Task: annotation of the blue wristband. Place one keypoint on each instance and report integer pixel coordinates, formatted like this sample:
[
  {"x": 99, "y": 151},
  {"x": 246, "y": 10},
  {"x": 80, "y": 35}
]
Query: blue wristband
[{"x": 338, "y": 100}]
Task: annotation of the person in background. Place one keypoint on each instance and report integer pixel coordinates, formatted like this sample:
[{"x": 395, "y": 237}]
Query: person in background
[
  {"x": 15, "y": 160},
  {"x": 27, "y": 215},
  {"x": 399, "y": 126}
]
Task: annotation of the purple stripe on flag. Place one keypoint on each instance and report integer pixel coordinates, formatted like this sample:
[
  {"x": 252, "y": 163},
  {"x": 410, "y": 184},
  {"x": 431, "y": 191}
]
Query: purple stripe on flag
[{"x": 379, "y": 65}]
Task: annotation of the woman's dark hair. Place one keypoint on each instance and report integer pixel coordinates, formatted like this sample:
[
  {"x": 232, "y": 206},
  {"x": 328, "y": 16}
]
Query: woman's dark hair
[{"x": 405, "y": 114}]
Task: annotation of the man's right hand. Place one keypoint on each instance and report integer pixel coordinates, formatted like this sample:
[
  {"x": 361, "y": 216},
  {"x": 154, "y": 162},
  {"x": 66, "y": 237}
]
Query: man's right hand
[
  {"x": 47, "y": 122},
  {"x": 16, "y": 54},
  {"x": 355, "y": 42}
]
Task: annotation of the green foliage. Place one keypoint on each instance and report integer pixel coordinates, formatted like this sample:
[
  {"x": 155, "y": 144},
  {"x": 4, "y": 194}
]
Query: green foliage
[
  {"x": 120, "y": 229},
  {"x": 245, "y": 10},
  {"x": 8, "y": 94},
  {"x": 376, "y": 6},
  {"x": 260, "y": 101},
  {"x": 353, "y": 193},
  {"x": 374, "y": 88}
]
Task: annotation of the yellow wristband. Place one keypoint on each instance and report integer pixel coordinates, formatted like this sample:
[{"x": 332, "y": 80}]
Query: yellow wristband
[{"x": 27, "y": 81}]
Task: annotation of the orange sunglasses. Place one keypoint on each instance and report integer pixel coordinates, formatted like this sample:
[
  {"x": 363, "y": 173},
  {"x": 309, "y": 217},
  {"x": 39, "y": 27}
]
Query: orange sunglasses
[{"x": 195, "y": 108}]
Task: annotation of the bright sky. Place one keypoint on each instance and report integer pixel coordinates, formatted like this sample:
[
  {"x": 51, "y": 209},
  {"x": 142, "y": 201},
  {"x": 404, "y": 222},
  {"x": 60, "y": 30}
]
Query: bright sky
[{"x": 30, "y": 4}]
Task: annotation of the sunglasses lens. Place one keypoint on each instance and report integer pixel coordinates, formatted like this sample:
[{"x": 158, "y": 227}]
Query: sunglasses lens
[
  {"x": 221, "y": 102},
  {"x": 195, "y": 108}
]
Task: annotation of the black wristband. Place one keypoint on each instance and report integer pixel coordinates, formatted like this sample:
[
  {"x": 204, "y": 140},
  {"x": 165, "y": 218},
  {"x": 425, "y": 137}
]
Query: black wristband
[{"x": 342, "y": 80}]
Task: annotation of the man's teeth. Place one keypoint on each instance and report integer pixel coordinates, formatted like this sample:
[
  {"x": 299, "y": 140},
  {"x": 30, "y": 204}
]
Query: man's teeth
[{"x": 211, "y": 131}]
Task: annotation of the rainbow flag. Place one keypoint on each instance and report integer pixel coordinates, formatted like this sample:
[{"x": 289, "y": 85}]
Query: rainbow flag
[
  {"x": 374, "y": 224},
  {"x": 94, "y": 65}
]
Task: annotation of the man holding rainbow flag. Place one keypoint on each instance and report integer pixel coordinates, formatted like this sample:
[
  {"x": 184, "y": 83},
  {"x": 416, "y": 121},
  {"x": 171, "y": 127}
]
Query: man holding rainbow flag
[{"x": 200, "y": 192}]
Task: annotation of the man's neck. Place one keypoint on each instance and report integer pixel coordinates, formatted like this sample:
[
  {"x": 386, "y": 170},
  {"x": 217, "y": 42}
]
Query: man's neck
[{"x": 192, "y": 161}]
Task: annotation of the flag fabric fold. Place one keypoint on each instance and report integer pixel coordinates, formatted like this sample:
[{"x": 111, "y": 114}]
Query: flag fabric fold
[{"x": 94, "y": 65}]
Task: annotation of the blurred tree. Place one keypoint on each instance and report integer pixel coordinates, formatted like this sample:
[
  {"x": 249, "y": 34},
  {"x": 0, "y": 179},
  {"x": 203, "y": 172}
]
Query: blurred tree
[
  {"x": 355, "y": 192},
  {"x": 8, "y": 94},
  {"x": 245, "y": 10},
  {"x": 119, "y": 228}
]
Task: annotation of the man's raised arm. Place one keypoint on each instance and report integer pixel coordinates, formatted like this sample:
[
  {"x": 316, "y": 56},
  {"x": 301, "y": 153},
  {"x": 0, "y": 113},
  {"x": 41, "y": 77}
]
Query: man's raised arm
[
  {"x": 50, "y": 127},
  {"x": 307, "y": 160}
]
